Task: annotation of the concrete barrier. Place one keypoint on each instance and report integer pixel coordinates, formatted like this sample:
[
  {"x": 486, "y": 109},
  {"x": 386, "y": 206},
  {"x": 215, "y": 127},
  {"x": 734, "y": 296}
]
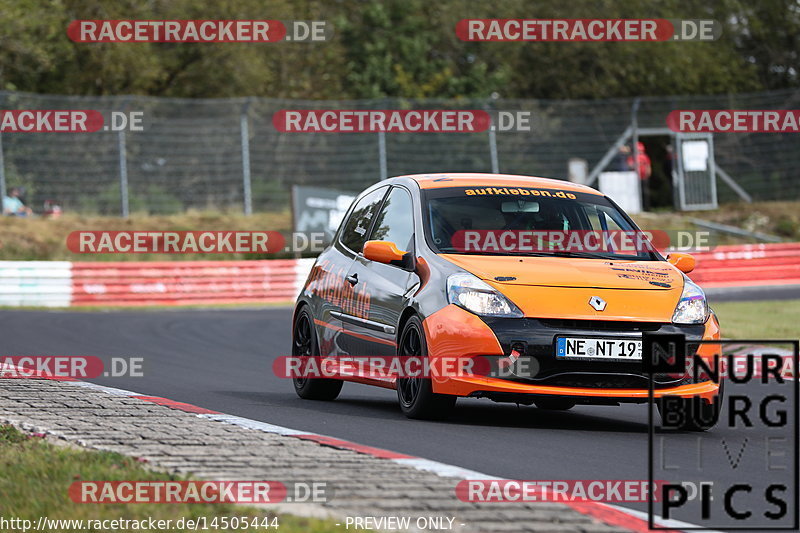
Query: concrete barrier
[
  {"x": 748, "y": 265},
  {"x": 36, "y": 283},
  {"x": 65, "y": 284}
]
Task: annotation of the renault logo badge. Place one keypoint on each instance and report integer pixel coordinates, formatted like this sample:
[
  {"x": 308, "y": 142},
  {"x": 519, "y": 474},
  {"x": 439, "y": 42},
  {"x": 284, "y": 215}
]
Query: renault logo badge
[{"x": 597, "y": 303}]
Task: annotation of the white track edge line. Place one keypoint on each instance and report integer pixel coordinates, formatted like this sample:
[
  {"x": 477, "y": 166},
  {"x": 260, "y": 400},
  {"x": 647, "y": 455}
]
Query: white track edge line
[
  {"x": 103, "y": 388},
  {"x": 249, "y": 423}
]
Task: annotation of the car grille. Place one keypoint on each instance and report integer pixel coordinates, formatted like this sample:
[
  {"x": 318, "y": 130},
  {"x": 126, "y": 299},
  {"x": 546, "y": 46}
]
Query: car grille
[
  {"x": 603, "y": 381},
  {"x": 599, "y": 325}
]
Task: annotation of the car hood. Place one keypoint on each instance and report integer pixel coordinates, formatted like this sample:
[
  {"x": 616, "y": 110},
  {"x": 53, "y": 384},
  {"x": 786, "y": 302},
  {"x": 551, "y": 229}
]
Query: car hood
[
  {"x": 569, "y": 272},
  {"x": 559, "y": 287}
]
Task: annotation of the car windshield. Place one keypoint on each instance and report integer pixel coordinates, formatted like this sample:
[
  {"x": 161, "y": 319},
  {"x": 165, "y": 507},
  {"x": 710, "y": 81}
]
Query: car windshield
[{"x": 531, "y": 222}]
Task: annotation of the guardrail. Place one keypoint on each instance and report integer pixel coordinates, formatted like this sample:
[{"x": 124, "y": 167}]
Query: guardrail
[
  {"x": 748, "y": 265},
  {"x": 181, "y": 283},
  {"x": 65, "y": 284},
  {"x": 75, "y": 284},
  {"x": 35, "y": 283}
]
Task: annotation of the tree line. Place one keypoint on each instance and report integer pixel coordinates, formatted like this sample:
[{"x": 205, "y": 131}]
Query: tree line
[{"x": 400, "y": 48}]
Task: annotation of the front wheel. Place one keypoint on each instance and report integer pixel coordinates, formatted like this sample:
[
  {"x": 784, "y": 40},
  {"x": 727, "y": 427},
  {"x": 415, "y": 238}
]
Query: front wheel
[
  {"x": 304, "y": 344},
  {"x": 416, "y": 396}
]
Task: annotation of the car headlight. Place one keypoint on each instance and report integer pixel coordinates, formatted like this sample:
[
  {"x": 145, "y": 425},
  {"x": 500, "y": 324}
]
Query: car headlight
[
  {"x": 692, "y": 307},
  {"x": 477, "y": 296}
]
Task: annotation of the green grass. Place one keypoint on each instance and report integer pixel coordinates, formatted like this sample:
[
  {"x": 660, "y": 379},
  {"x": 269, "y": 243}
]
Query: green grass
[
  {"x": 44, "y": 239},
  {"x": 35, "y": 477},
  {"x": 26, "y": 239},
  {"x": 774, "y": 218},
  {"x": 778, "y": 319}
]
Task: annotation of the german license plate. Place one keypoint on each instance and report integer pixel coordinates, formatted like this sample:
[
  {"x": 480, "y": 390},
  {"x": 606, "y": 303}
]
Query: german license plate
[{"x": 619, "y": 349}]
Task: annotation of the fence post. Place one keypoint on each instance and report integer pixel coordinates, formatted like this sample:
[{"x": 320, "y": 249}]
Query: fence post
[
  {"x": 493, "y": 150},
  {"x": 382, "y": 154},
  {"x": 489, "y": 107},
  {"x": 2, "y": 171},
  {"x": 123, "y": 172},
  {"x": 635, "y": 142},
  {"x": 247, "y": 190}
]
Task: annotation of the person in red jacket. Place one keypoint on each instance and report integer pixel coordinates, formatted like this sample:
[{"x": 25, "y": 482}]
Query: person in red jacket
[{"x": 645, "y": 170}]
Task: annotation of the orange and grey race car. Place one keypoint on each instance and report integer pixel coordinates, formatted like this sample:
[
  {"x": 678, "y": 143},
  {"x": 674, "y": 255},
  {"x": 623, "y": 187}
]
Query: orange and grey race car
[{"x": 472, "y": 266}]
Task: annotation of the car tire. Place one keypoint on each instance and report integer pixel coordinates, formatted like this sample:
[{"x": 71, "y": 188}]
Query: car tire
[
  {"x": 707, "y": 414},
  {"x": 304, "y": 344},
  {"x": 416, "y": 396},
  {"x": 554, "y": 404}
]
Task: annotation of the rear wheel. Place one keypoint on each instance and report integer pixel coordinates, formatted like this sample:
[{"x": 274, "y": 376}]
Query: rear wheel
[
  {"x": 304, "y": 344},
  {"x": 416, "y": 396}
]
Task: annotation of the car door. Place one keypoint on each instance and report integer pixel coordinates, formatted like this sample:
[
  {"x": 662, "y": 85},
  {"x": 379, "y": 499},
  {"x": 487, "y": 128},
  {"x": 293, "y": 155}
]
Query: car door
[
  {"x": 382, "y": 288},
  {"x": 337, "y": 297}
]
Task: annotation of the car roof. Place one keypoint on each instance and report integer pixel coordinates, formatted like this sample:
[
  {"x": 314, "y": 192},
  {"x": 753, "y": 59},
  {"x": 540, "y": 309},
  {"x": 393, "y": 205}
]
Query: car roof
[{"x": 447, "y": 179}]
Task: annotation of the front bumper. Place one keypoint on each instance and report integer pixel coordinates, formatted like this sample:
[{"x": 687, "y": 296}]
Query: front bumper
[
  {"x": 454, "y": 332},
  {"x": 505, "y": 391}
]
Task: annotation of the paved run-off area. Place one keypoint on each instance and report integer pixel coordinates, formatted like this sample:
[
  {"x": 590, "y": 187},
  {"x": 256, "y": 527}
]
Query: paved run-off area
[{"x": 207, "y": 446}]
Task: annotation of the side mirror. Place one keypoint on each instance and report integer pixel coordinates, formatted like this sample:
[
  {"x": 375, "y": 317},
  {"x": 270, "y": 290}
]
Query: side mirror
[
  {"x": 683, "y": 262},
  {"x": 384, "y": 252}
]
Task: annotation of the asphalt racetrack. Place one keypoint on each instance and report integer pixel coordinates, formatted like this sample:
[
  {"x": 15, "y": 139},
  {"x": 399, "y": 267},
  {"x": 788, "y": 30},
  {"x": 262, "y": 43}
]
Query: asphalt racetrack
[{"x": 221, "y": 360}]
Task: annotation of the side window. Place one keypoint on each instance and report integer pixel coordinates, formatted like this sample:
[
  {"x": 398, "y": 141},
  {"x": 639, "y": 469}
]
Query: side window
[
  {"x": 354, "y": 232},
  {"x": 396, "y": 220},
  {"x": 596, "y": 213}
]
